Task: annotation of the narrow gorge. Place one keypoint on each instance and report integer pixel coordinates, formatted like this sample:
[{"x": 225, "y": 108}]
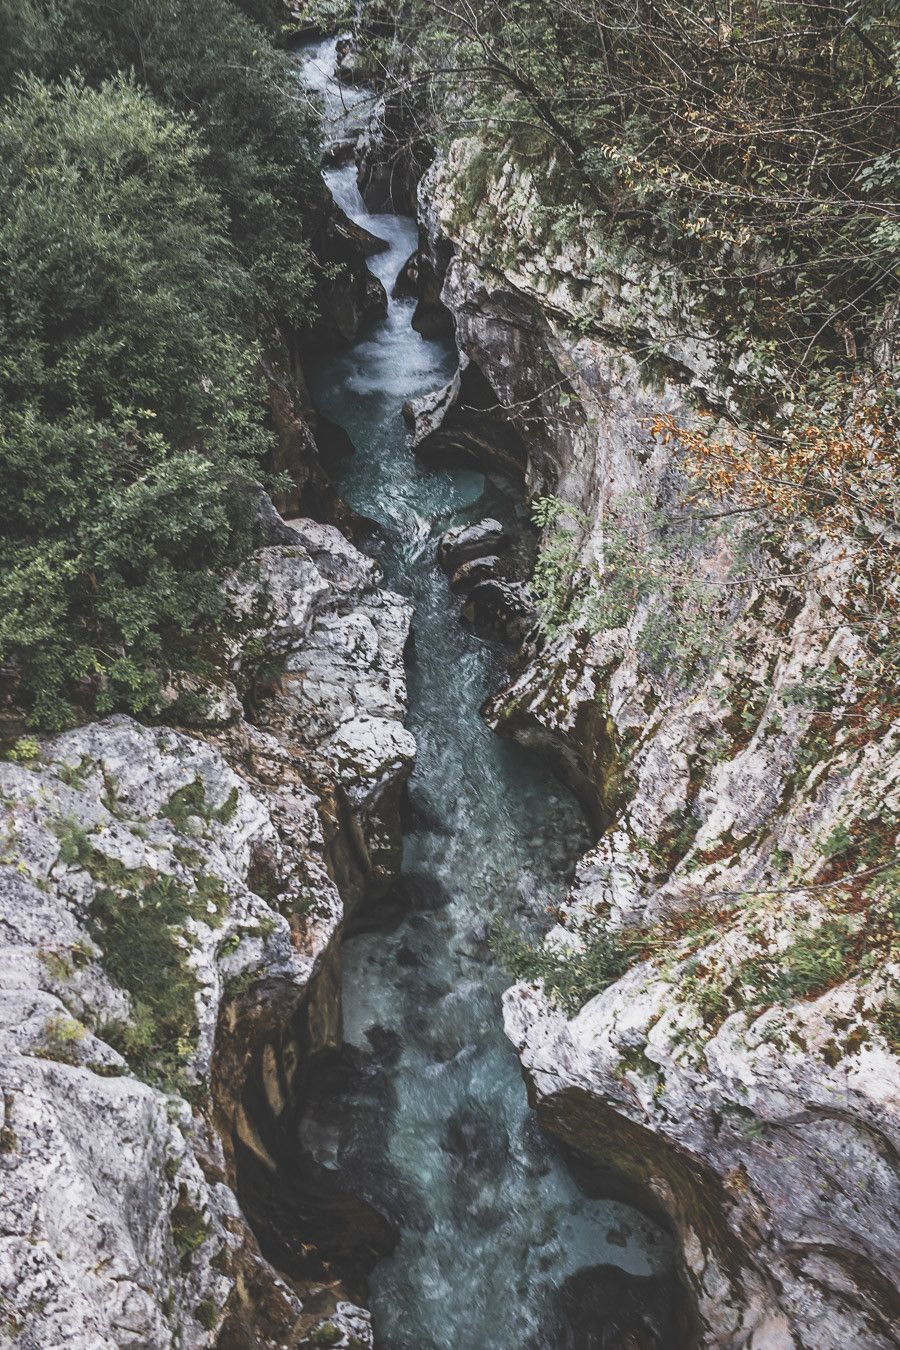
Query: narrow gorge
[
  {"x": 432, "y": 1122},
  {"x": 450, "y": 766}
]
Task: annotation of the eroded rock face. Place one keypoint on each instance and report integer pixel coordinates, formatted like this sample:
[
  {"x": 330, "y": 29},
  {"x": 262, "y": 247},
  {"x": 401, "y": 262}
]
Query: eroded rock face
[
  {"x": 503, "y": 608},
  {"x": 741, "y": 1070},
  {"x": 778, "y": 1167},
  {"x": 469, "y": 574},
  {"x": 168, "y": 905},
  {"x": 342, "y": 691},
  {"x": 351, "y": 295},
  {"x": 389, "y": 161},
  {"x": 114, "y": 1233}
]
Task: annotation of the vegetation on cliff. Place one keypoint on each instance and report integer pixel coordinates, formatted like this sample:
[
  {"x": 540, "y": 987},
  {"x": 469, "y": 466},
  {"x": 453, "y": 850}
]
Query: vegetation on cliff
[
  {"x": 748, "y": 150},
  {"x": 744, "y": 159},
  {"x": 157, "y": 179},
  {"x": 713, "y": 195},
  {"x": 752, "y": 144}
]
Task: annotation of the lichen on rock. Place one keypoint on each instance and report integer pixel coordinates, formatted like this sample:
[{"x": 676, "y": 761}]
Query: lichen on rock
[
  {"x": 743, "y": 1071},
  {"x": 151, "y": 880}
]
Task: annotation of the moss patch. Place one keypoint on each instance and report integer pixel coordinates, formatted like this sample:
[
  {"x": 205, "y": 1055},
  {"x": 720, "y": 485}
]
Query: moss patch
[
  {"x": 207, "y": 1314},
  {"x": 190, "y": 800},
  {"x": 138, "y": 923},
  {"x": 189, "y": 1228},
  {"x": 62, "y": 1037},
  {"x": 570, "y": 977},
  {"x": 326, "y": 1334}
]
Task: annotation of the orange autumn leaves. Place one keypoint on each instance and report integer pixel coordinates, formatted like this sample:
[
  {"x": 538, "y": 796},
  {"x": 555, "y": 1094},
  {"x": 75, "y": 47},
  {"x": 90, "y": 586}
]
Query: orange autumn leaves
[{"x": 842, "y": 475}]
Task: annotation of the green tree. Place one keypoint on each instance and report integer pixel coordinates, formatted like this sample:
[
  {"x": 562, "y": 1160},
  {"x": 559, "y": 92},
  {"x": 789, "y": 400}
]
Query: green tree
[
  {"x": 753, "y": 145},
  {"x": 208, "y": 60},
  {"x": 128, "y": 399}
]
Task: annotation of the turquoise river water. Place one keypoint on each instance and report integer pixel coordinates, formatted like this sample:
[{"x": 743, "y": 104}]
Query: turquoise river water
[{"x": 434, "y": 1128}]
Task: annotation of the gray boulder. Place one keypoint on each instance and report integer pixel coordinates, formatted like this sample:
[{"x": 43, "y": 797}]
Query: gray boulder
[
  {"x": 465, "y": 542},
  {"x": 502, "y": 607},
  {"x": 470, "y": 573},
  {"x": 166, "y": 901}
]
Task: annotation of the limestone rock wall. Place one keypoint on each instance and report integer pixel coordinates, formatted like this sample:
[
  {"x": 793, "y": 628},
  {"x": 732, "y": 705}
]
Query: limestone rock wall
[
  {"x": 168, "y": 903},
  {"x": 758, "y": 1105}
]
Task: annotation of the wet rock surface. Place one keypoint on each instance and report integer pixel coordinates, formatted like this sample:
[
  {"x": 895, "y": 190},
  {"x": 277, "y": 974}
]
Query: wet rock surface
[
  {"x": 602, "y": 1308},
  {"x": 407, "y": 283},
  {"x": 389, "y": 160},
  {"x": 346, "y": 60},
  {"x": 470, "y": 573},
  {"x": 463, "y": 543},
  {"x": 462, "y": 424},
  {"x": 349, "y": 296},
  {"x": 501, "y": 608}
]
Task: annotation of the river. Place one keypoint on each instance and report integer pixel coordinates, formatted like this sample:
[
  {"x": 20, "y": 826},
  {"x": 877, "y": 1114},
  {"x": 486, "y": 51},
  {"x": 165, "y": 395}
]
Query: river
[{"x": 432, "y": 1124}]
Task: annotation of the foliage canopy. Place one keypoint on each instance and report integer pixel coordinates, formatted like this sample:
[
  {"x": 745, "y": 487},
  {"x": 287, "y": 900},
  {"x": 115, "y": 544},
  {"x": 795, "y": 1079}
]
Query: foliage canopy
[
  {"x": 157, "y": 181},
  {"x": 753, "y": 145}
]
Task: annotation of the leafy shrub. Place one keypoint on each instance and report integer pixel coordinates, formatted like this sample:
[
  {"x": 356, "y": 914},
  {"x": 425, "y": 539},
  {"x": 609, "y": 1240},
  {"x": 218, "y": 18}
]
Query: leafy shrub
[
  {"x": 24, "y": 751},
  {"x": 554, "y": 578},
  {"x": 817, "y": 958},
  {"x": 570, "y": 977},
  {"x": 207, "y": 1314},
  {"x": 326, "y": 1334},
  {"x": 155, "y": 215},
  {"x": 75, "y": 847},
  {"x": 137, "y": 928},
  {"x": 190, "y": 800},
  {"x": 650, "y": 559},
  {"x": 62, "y": 1036},
  {"x": 887, "y": 1020},
  {"x": 128, "y": 409},
  {"x": 209, "y": 60},
  {"x": 189, "y": 1228}
]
